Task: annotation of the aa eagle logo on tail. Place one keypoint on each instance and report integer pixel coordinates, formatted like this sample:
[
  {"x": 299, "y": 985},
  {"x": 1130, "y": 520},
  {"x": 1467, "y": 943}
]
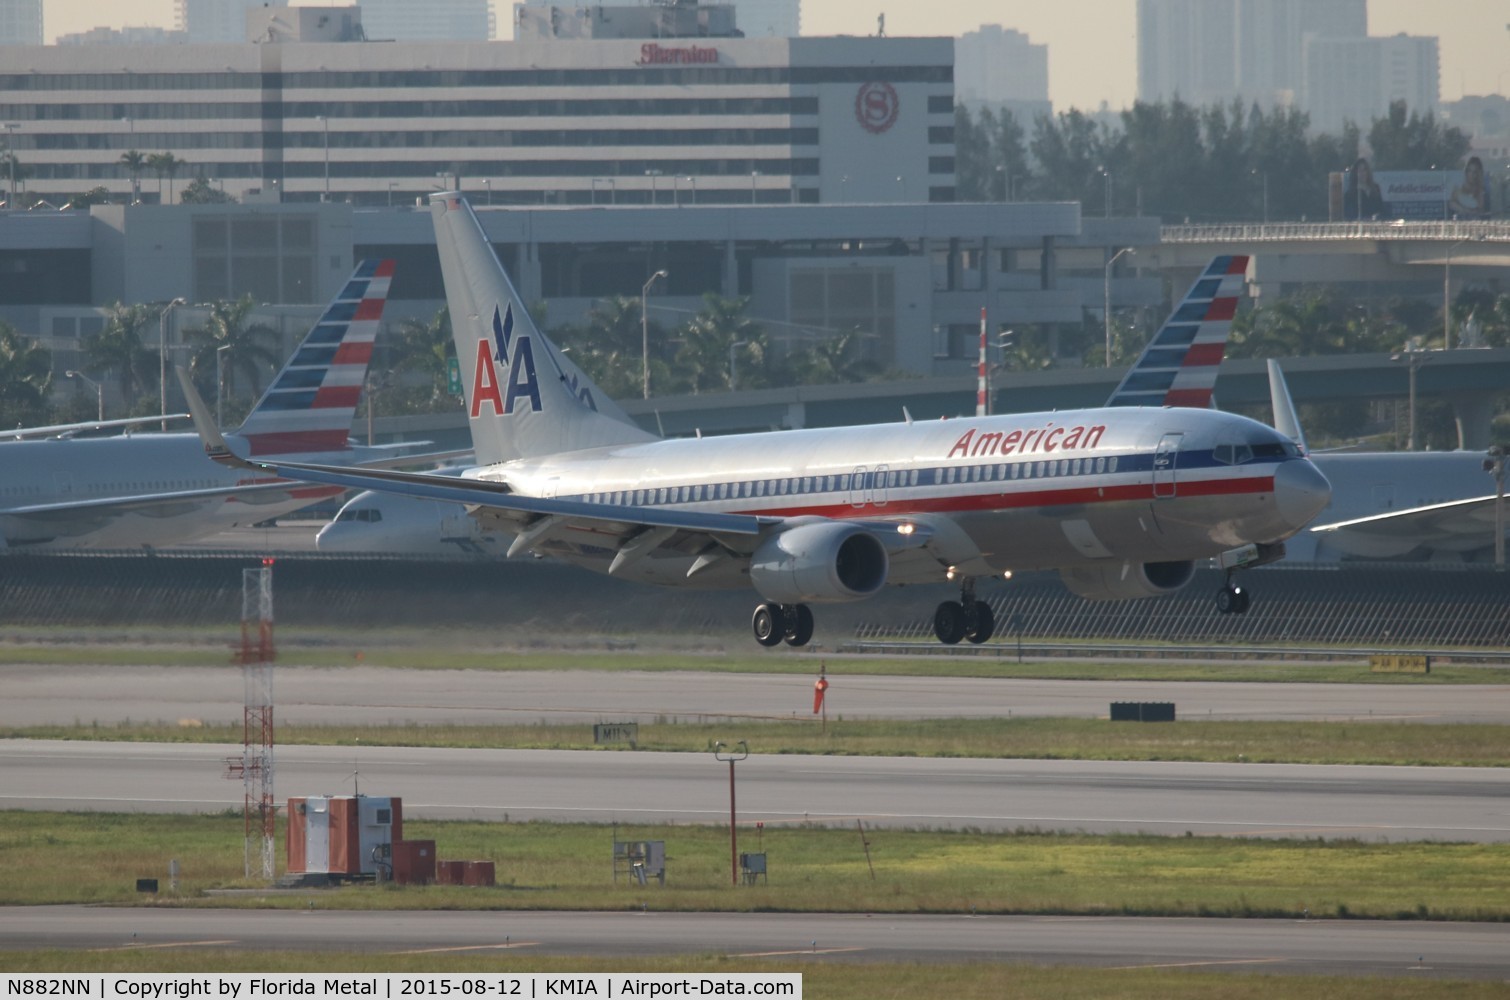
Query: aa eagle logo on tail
[{"x": 516, "y": 357}]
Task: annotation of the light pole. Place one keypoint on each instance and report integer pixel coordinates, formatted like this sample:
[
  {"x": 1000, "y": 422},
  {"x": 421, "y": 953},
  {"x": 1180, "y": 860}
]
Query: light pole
[
  {"x": 220, "y": 380},
  {"x": 723, "y": 752},
  {"x": 733, "y": 373},
  {"x": 1106, "y": 310},
  {"x": 162, "y": 358},
  {"x": 487, "y": 183},
  {"x": 645, "y": 330},
  {"x": 1414, "y": 358},
  {"x": 325, "y": 122},
  {"x": 99, "y": 391},
  {"x": 1107, "y": 197},
  {"x": 654, "y": 186},
  {"x": 390, "y": 193},
  {"x": 753, "y": 174}
]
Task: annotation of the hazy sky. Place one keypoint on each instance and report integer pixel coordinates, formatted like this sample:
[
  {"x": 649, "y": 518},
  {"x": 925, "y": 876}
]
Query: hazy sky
[{"x": 1092, "y": 43}]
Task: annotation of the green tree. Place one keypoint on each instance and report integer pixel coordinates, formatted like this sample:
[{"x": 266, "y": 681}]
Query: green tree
[
  {"x": 134, "y": 161},
  {"x": 1071, "y": 149},
  {"x": 201, "y": 192},
  {"x": 25, "y": 378},
  {"x": 1414, "y": 141},
  {"x": 165, "y": 165},
  {"x": 94, "y": 196},
  {"x": 836, "y": 359},
  {"x": 119, "y": 349},
  {"x": 250, "y": 348},
  {"x": 608, "y": 348},
  {"x": 708, "y": 342},
  {"x": 425, "y": 348}
]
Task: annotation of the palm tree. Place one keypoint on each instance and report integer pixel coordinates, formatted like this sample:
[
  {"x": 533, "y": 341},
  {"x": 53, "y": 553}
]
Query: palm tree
[
  {"x": 118, "y": 348},
  {"x": 246, "y": 344},
  {"x": 427, "y": 348},
  {"x": 717, "y": 334},
  {"x": 835, "y": 360},
  {"x": 134, "y": 160},
  {"x": 166, "y": 165},
  {"x": 608, "y": 347},
  {"x": 25, "y": 378}
]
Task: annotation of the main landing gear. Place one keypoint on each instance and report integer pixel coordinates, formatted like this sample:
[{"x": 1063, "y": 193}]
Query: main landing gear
[
  {"x": 1232, "y": 599},
  {"x": 966, "y": 618},
  {"x": 777, "y": 623}
]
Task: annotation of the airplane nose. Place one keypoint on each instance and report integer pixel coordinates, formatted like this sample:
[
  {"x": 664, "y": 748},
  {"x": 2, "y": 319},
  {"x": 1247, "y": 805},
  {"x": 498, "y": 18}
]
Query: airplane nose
[{"x": 1300, "y": 492}]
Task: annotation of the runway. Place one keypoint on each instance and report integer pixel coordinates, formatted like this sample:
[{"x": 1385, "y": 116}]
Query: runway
[
  {"x": 1388, "y": 948},
  {"x": 47, "y": 694},
  {"x": 1254, "y": 800}
]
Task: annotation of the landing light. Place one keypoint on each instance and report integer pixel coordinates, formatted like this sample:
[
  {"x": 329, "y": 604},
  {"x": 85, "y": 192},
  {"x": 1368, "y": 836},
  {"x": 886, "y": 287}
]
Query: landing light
[
  {"x": 949, "y": 574},
  {"x": 905, "y": 529},
  {"x": 1007, "y": 575}
]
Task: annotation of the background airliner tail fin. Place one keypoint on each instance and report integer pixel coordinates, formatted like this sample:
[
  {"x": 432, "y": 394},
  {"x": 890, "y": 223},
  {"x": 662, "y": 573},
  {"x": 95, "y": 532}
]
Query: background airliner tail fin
[
  {"x": 309, "y": 406},
  {"x": 524, "y": 398},
  {"x": 1286, "y": 418},
  {"x": 1178, "y": 367}
]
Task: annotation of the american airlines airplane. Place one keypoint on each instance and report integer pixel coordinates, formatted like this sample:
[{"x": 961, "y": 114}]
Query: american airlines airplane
[
  {"x": 150, "y": 490},
  {"x": 1121, "y": 500}
]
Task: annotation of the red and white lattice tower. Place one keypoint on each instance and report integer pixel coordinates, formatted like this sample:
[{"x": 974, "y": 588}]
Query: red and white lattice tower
[{"x": 256, "y": 654}]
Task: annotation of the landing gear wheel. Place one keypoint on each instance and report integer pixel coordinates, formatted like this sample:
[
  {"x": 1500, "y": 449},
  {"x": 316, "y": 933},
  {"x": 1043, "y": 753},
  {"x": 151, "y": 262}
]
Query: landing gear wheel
[
  {"x": 949, "y": 622},
  {"x": 799, "y": 624},
  {"x": 1233, "y": 600},
  {"x": 767, "y": 624},
  {"x": 984, "y": 624}
]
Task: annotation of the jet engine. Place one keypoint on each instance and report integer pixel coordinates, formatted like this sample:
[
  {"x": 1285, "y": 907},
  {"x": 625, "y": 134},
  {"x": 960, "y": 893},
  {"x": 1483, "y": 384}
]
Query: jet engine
[
  {"x": 1122, "y": 581},
  {"x": 824, "y": 561}
]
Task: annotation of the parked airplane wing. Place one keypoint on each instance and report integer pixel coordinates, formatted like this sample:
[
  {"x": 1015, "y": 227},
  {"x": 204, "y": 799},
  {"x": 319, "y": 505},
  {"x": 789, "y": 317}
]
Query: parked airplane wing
[
  {"x": 1460, "y": 525},
  {"x": 69, "y": 430}
]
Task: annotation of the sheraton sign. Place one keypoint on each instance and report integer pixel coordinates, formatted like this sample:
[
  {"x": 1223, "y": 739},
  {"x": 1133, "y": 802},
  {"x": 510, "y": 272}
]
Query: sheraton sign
[{"x": 652, "y": 54}]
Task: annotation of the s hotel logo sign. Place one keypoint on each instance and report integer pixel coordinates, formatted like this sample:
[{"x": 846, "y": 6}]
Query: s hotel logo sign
[
  {"x": 652, "y": 54},
  {"x": 877, "y": 106}
]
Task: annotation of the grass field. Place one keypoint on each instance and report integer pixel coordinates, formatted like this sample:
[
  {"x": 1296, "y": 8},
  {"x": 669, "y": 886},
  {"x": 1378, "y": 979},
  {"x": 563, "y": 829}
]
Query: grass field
[
  {"x": 97, "y": 857},
  {"x": 820, "y": 980},
  {"x": 427, "y": 652},
  {"x": 1467, "y": 745}
]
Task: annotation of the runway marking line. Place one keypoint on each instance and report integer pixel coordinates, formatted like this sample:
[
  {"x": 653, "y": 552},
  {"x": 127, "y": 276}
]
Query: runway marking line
[
  {"x": 1196, "y": 965},
  {"x": 166, "y": 944},
  {"x": 469, "y": 947},
  {"x": 797, "y": 951}
]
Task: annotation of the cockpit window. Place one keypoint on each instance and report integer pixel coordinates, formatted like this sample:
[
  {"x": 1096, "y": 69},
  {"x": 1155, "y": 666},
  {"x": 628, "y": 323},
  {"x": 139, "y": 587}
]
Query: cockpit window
[
  {"x": 367, "y": 514},
  {"x": 1277, "y": 449},
  {"x": 1232, "y": 454}
]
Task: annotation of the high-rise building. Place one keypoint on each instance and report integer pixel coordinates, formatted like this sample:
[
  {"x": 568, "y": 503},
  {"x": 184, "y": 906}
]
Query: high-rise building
[
  {"x": 1214, "y": 51},
  {"x": 214, "y": 20},
  {"x": 1187, "y": 49},
  {"x": 999, "y": 68},
  {"x": 20, "y": 22},
  {"x": 1356, "y": 79},
  {"x": 406, "y": 20}
]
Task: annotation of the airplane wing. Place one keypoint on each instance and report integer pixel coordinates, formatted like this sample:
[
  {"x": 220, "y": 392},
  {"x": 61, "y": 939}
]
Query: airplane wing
[
  {"x": 67, "y": 430},
  {"x": 1460, "y": 525},
  {"x": 167, "y": 504}
]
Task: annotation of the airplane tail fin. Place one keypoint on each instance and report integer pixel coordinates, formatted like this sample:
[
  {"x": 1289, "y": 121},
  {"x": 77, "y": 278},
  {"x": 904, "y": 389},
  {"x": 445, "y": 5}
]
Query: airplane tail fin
[
  {"x": 1178, "y": 367},
  {"x": 310, "y": 405},
  {"x": 524, "y": 398}
]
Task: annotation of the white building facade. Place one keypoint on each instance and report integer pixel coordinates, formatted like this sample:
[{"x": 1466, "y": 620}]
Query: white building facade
[{"x": 623, "y": 121}]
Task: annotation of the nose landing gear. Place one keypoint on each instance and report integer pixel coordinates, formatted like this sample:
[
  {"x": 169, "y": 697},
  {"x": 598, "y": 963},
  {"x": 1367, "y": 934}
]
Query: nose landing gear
[{"x": 1232, "y": 599}]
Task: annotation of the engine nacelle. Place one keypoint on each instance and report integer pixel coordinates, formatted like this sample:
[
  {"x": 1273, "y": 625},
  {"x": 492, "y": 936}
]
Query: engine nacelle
[
  {"x": 826, "y": 561},
  {"x": 1123, "y": 581}
]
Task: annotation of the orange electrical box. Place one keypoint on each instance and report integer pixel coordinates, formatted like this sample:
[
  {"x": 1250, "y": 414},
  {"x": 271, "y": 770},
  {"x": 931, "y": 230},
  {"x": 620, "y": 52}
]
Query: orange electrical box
[
  {"x": 413, "y": 862},
  {"x": 449, "y": 872}
]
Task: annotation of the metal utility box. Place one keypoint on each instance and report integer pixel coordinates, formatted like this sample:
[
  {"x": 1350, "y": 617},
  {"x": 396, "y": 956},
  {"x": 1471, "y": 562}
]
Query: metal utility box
[
  {"x": 449, "y": 872},
  {"x": 478, "y": 873},
  {"x": 413, "y": 862},
  {"x": 640, "y": 860},
  {"x": 348, "y": 835}
]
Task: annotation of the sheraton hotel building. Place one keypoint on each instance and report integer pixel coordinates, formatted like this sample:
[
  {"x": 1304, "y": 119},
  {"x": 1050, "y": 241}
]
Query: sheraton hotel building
[{"x": 816, "y": 175}]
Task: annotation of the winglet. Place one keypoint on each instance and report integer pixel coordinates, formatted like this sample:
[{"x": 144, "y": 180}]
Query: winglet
[
  {"x": 204, "y": 423},
  {"x": 1286, "y": 419}
]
